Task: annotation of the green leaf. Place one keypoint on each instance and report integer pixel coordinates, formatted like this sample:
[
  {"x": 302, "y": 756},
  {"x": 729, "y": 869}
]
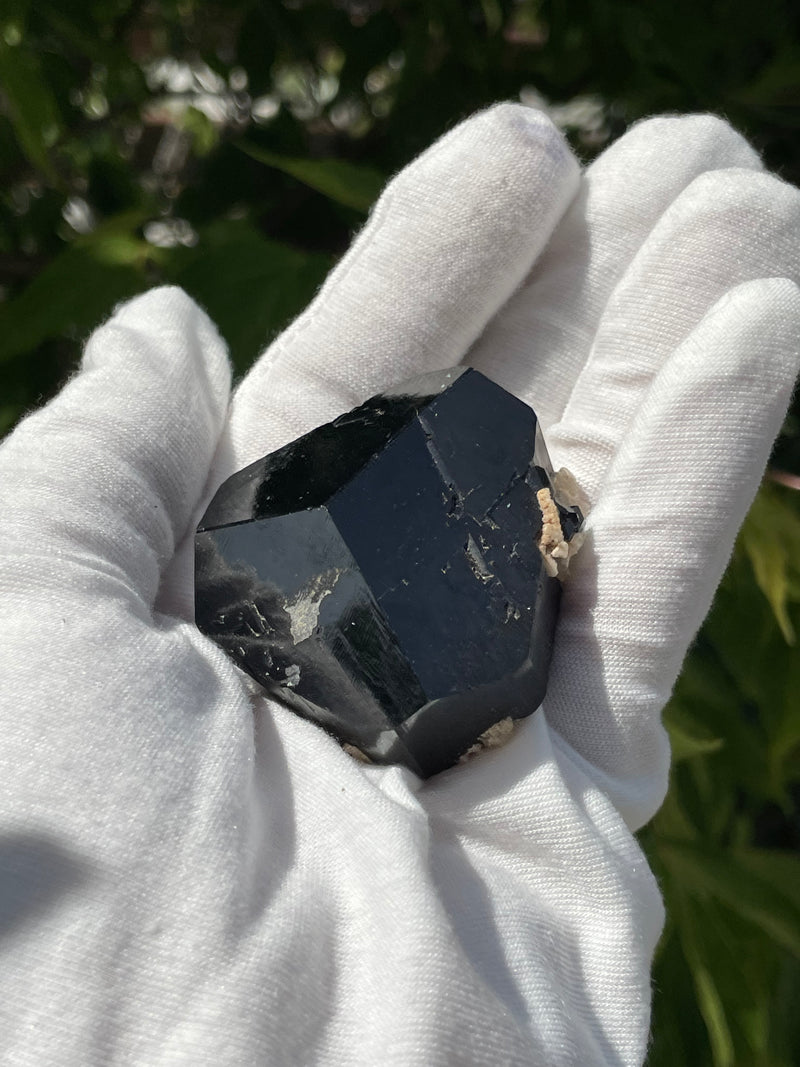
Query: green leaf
[
  {"x": 9, "y": 413},
  {"x": 201, "y": 129},
  {"x": 713, "y": 1010},
  {"x": 76, "y": 289},
  {"x": 775, "y": 867},
  {"x": 731, "y": 973},
  {"x": 769, "y": 566},
  {"x": 251, "y": 287},
  {"x": 775, "y": 83},
  {"x": 68, "y": 28},
  {"x": 688, "y": 737},
  {"x": 679, "y": 1035},
  {"x": 715, "y": 705},
  {"x": 771, "y": 538},
  {"x": 742, "y": 881},
  {"x": 349, "y": 184},
  {"x": 31, "y": 106}
]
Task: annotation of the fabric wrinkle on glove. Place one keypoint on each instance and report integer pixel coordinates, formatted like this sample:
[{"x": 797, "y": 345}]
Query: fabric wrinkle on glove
[{"x": 189, "y": 873}]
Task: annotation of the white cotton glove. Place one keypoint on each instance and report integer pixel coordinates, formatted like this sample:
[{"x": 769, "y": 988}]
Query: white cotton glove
[{"x": 192, "y": 875}]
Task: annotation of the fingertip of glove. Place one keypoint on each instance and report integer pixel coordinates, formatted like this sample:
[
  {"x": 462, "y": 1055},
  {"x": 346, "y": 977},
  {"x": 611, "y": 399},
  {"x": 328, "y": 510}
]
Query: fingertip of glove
[
  {"x": 745, "y": 348},
  {"x": 698, "y": 126},
  {"x": 527, "y": 122},
  {"x": 507, "y": 139},
  {"x": 772, "y": 306},
  {"x": 527, "y": 128},
  {"x": 764, "y": 300},
  {"x": 163, "y": 306},
  {"x": 740, "y": 184},
  {"x": 170, "y": 324},
  {"x": 779, "y": 292},
  {"x": 704, "y": 137},
  {"x": 751, "y": 220}
]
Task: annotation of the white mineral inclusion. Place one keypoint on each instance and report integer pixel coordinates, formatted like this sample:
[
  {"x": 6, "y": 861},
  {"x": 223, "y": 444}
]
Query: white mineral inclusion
[
  {"x": 495, "y": 737},
  {"x": 569, "y": 492},
  {"x": 303, "y": 608},
  {"x": 556, "y": 551},
  {"x": 292, "y": 677}
]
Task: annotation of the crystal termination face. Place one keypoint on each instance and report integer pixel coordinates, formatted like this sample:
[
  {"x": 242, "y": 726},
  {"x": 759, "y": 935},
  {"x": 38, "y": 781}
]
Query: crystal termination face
[{"x": 382, "y": 574}]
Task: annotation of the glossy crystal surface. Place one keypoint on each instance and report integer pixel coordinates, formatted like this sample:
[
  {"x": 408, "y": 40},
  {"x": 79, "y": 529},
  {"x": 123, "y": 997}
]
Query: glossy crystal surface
[{"x": 381, "y": 574}]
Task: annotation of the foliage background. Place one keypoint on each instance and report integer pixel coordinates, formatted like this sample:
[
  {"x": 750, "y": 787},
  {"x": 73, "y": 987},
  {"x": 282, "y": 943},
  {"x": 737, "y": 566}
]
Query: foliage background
[{"x": 234, "y": 147}]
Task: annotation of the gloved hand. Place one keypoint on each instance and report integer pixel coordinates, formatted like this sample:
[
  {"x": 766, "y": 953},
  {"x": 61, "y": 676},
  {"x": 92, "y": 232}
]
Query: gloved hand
[{"x": 190, "y": 874}]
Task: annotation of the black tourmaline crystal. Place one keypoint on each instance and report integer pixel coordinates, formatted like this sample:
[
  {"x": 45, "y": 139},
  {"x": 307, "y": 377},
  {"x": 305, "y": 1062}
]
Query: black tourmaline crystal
[{"x": 382, "y": 574}]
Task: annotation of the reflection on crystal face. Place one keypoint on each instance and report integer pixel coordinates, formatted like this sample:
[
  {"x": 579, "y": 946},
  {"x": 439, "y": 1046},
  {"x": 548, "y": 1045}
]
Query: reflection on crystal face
[{"x": 381, "y": 574}]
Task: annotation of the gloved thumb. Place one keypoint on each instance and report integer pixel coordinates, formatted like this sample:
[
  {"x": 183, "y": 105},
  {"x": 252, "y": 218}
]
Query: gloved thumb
[{"x": 106, "y": 477}]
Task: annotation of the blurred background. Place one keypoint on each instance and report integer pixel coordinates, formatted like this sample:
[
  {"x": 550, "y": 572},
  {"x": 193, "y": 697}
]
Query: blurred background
[{"x": 234, "y": 148}]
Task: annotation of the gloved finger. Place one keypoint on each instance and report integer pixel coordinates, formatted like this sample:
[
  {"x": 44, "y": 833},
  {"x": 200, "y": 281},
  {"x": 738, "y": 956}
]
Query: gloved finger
[
  {"x": 450, "y": 239},
  {"x": 728, "y": 227},
  {"x": 107, "y": 475},
  {"x": 662, "y": 532},
  {"x": 538, "y": 344}
]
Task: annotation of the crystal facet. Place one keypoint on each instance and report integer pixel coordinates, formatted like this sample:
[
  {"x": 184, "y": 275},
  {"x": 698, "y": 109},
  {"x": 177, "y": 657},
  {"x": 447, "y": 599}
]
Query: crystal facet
[{"x": 383, "y": 574}]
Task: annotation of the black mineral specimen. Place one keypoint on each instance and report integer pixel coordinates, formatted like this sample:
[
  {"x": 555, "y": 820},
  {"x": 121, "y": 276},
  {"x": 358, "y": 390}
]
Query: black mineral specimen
[{"x": 382, "y": 574}]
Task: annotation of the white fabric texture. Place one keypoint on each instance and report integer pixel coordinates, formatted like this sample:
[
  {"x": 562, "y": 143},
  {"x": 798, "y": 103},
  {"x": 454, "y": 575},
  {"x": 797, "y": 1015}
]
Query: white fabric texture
[{"x": 189, "y": 873}]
